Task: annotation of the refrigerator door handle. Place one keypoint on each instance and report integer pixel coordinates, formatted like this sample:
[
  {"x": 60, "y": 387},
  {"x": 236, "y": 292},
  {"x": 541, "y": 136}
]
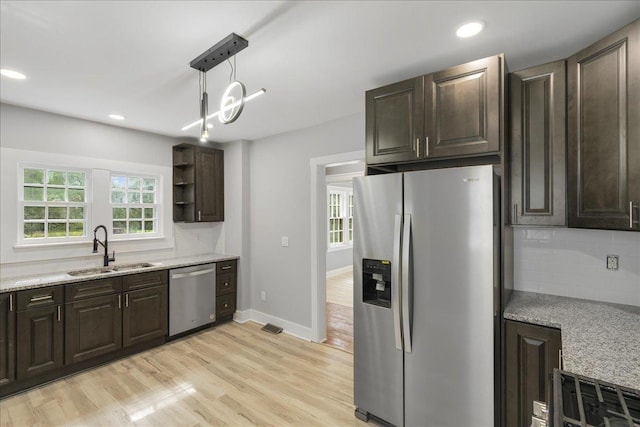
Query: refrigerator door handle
[
  {"x": 406, "y": 283},
  {"x": 396, "y": 280}
]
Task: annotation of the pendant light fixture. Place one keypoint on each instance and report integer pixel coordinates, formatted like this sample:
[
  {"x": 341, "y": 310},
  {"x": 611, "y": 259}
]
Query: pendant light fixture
[{"x": 235, "y": 95}]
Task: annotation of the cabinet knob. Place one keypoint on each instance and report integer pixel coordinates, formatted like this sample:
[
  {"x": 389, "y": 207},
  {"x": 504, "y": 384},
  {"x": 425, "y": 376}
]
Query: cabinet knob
[
  {"x": 226, "y": 305},
  {"x": 226, "y": 284}
]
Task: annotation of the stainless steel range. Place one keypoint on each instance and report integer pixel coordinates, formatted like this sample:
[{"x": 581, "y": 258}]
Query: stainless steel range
[{"x": 586, "y": 402}]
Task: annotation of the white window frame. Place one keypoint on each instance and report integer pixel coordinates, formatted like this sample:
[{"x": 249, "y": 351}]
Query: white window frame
[
  {"x": 346, "y": 196},
  {"x": 21, "y": 239},
  {"x": 157, "y": 207}
]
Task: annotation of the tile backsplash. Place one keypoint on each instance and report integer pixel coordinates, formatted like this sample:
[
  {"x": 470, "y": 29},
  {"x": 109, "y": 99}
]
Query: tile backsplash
[{"x": 573, "y": 263}]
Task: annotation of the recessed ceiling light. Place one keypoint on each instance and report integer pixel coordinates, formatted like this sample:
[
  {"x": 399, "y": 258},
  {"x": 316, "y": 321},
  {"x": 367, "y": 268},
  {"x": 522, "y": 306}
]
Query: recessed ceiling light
[
  {"x": 12, "y": 74},
  {"x": 469, "y": 29},
  {"x": 116, "y": 117}
]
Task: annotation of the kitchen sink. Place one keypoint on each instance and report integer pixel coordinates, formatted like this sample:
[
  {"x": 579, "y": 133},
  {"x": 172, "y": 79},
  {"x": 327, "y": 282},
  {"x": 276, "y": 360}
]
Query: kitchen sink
[
  {"x": 90, "y": 271},
  {"x": 102, "y": 270},
  {"x": 126, "y": 267}
]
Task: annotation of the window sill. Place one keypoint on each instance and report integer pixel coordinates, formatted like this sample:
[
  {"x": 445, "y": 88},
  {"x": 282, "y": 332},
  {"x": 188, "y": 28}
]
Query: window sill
[
  {"x": 340, "y": 248},
  {"x": 83, "y": 242}
]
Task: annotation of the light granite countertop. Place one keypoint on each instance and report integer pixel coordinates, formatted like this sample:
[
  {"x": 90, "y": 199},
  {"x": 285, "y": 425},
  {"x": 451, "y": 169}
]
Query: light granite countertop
[
  {"x": 599, "y": 339},
  {"x": 52, "y": 279}
]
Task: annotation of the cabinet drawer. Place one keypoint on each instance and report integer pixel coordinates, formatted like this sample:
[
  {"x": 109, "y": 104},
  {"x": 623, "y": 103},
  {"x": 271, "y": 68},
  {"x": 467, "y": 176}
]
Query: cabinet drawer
[
  {"x": 225, "y": 284},
  {"x": 223, "y": 267},
  {"x": 93, "y": 288},
  {"x": 225, "y": 305},
  {"x": 144, "y": 280},
  {"x": 42, "y": 297}
]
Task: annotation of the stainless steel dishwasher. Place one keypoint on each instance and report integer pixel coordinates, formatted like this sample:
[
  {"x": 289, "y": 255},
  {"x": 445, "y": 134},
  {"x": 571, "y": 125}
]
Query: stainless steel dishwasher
[{"x": 192, "y": 297}]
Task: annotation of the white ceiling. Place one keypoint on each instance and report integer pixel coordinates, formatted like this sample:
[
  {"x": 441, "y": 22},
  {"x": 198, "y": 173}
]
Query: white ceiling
[{"x": 315, "y": 58}]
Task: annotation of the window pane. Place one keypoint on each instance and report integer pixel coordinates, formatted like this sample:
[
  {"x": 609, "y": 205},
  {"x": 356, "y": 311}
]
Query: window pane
[
  {"x": 56, "y": 178},
  {"x": 148, "y": 226},
  {"x": 34, "y": 230},
  {"x": 117, "y": 182},
  {"x": 119, "y": 227},
  {"x": 56, "y": 229},
  {"x": 34, "y": 212},
  {"x": 149, "y": 184},
  {"x": 56, "y": 194},
  {"x": 119, "y": 213},
  {"x": 148, "y": 212},
  {"x": 57, "y": 213},
  {"x": 133, "y": 183},
  {"x": 34, "y": 176},
  {"x": 34, "y": 193},
  {"x": 135, "y": 213},
  {"x": 76, "y": 229},
  {"x": 76, "y": 195},
  {"x": 117, "y": 197},
  {"x": 148, "y": 197},
  {"x": 135, "y": 226},
  {"x": 76, "y": 179},
  {"x": 76, "y": 213},
  {"x": 133, "y": 197}
]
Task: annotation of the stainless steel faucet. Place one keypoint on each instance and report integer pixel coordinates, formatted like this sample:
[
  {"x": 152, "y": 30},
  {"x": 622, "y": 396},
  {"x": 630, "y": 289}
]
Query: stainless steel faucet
[{"x": 105, "y": 245}]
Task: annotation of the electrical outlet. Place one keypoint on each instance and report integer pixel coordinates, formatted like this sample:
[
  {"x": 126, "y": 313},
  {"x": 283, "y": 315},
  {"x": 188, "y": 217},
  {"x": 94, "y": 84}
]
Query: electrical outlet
[
  {"x": 612, "y": 262},
  {"x": 263, "y": 295},
  {"x": 285, "y": 241}
]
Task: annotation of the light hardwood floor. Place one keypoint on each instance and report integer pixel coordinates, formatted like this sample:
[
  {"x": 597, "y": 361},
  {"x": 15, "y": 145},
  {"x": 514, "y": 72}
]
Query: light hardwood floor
[
  {"x": 233, "y": 375},
  {"x": 339, "y": 308},
  {"x": 340, "y": 289}
]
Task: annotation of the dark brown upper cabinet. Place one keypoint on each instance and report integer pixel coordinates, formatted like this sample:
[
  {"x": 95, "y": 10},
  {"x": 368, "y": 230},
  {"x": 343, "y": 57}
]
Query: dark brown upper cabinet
[
  {"x": 453, "y": 113},
  {"x": 531, "y": 352},
  {"x": 604, "y": 133},
  {"x": 394, "y": 122},
  {"x": 463, "y": 109},
  {"x": 198, "y": 184},
  {"x": 538, "y": 145}
]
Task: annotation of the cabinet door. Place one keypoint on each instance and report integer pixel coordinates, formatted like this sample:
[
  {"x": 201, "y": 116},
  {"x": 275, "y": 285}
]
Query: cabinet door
[
  {"x": 7, "y": 338},
  {"x": 40, "y": 342},
  {"x": 93, "y": 327},
  {"x": 463, "y": 109},
  {"x": 538, "y": 152},
  {"x": 394, "y": 122},
  {"x": 532, "y": 352},
  {"x": 145, "y": 315},
  {"x": 209, "y": 185},
  {"x": 604, "y": 132}
]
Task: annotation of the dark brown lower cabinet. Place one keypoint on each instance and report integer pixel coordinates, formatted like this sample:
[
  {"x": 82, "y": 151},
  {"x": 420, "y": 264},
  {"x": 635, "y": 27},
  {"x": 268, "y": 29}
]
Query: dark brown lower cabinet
[
  {"x": 532, "y": 352},
  {"x": 7, "y": 338},
  {"x": 93, "y": 327},
  {"x": 145, "y": 315},
  {"x": 40, "y": 340}
]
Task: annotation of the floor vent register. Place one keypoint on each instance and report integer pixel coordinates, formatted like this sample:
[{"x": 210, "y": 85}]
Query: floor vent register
[{"x": 272, "y": 328}]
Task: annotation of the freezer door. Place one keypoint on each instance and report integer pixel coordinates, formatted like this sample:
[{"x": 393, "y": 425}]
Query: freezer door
[
  {"x": 377, "y": 352},
  {"x": 449, "y": 372}
]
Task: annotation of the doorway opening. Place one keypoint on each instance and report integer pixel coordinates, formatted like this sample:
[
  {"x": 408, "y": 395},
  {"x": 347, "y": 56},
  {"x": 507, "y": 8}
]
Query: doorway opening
[{"x": 331, "y": 248}]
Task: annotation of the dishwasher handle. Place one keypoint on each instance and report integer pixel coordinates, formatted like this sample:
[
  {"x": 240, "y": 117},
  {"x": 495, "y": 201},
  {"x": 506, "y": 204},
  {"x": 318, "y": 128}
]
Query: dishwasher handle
[{"x": 192, "y": 274}]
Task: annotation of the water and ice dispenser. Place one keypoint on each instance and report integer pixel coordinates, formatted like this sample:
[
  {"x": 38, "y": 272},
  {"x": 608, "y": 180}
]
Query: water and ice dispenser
[{"x": 376, "y": 282}]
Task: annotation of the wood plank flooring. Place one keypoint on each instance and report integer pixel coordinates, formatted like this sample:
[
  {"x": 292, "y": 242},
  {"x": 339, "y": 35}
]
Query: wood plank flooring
[
  {"x": 340, "y": 289},
  {"x": 234, "y": 375},
  {"x": 340, "y": 311}
]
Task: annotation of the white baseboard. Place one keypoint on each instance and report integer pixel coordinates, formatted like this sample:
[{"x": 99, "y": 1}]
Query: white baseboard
[
  {"x": 288, "y": 327},
  {"x": 340, "y": 270}
]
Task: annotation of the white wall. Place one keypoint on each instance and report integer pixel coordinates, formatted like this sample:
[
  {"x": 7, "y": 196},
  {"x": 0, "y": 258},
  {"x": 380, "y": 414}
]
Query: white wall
[
  {"x": 571, "y": 262},
  {"x": 236, "y": 214},
  {"x": 30, "y": 135},
  {"x": 280, "y": 204}
]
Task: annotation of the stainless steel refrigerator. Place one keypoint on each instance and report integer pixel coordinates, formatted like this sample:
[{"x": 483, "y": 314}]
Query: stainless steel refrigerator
[{"x": 426, "y": 296}]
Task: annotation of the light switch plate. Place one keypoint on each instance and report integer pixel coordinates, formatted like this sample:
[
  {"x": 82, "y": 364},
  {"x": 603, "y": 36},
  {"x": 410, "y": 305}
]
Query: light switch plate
[
  {"x": 612, "y": 262},
  {"x": 285, "y": 241}
]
